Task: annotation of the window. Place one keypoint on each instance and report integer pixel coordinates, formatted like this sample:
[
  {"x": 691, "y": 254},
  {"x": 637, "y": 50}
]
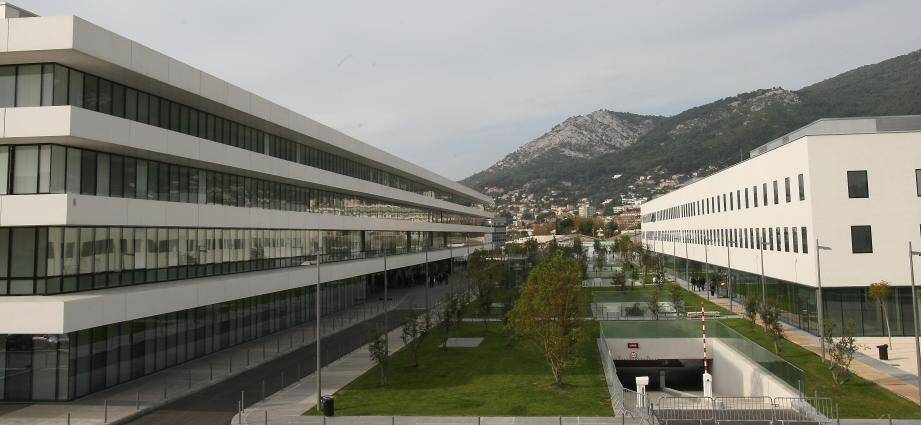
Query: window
[
  {"x": 25, "y": 170},
  {"x": 7, "y": 86},
  {"x": 857, "y": 186},
  {"x": 4, "y": 168},
  {"x": 805, "y": 240},
  {"x": 746, "y": 197},
  {"x": 755, "y": 195},
  {"x": 786, "y": 184},
  {"x": 802, "y": 187},
  {"x": 795, "y": 240},
  {"x": 918, "y": 182},
  {"x": 786, "y": 239},
  {"x": 29, "y": 85},
  {"x": 861, "y": 240},
  {"x": 764, "y": 191},
  {"x": 776, "y": 194}
]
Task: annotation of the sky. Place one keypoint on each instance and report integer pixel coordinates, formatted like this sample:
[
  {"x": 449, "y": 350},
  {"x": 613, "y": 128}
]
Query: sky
[{"x": 455, "y": 86}]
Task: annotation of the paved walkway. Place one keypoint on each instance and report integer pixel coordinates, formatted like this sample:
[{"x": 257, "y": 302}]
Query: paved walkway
[
  {"x": 451, "y": 420},
  {"x": 150, "y": 392},
  {"x": 898, "y": 375},
  {"x": 288, "y": 405}
]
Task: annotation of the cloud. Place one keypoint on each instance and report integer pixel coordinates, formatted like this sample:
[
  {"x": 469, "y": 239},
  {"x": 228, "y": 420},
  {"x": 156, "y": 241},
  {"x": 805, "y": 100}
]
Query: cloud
[{"x": 454, "y": 86}]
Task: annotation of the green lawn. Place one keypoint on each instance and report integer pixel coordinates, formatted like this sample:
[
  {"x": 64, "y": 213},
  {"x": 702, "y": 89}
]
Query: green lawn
[
  {"x": 857, "y": 398},
  {"x": 490, "y": 380},
  {"x": 641, "y": 294}
]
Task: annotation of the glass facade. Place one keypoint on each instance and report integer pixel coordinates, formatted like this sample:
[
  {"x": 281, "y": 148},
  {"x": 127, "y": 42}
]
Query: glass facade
[
  {"x": 53, "y": 84},
  {"x": 54, "y": 260},
  {"x": 58, "y": 169},
  {"x": 798, "y": 302},
  {"x": 67, "y": 366}
]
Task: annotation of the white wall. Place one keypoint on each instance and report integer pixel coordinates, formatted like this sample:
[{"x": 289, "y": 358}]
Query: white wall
[
  {"x": 735, "y": 375},
  {"x": 786, "y": 161},
  {"x": 893, "y": 209}
]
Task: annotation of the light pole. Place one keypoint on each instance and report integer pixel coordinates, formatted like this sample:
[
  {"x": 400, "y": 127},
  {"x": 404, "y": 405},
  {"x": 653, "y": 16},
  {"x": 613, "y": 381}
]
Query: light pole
[
  {"x": 729, "y": 277},
  {"x": 386, "y": 328},
  {"x": 687, "y": 260},
  {"x": 914, "y": 312},
  {"x": 319, "y": 359},
  {"x": 763, "y": 290},
  {"x": 707, "y": 282},
  {"x": 427, "y": 277},
  {"x": 818, "y": 294}
]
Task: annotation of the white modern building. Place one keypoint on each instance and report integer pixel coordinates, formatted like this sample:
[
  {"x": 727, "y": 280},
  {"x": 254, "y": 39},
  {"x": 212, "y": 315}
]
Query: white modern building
[
  {"x": 151, "y": 213},
  {"x": 852, "y": 186}
]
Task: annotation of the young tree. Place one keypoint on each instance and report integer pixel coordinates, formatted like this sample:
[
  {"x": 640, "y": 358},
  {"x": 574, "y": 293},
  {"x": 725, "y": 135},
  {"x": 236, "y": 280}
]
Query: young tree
[
  {"x": 880, "y": 291},
  {"x": 674, "y": 293},
  {"x": 449, "y": 306},
  {"x": 550, "y": 311},
  {"x": 619, "y": 280},
  {"x": 487, "y": 274},
  {"x": 770, "y": 318},
  {"x": 840, "y": 351},
  {"x": 653, "y": 302},
  {"x": 751, "y": 309},
  {"x": 416, "y": 327},
  {"x": 610, "y": 228},
  {"x": 380, "y": 353}
]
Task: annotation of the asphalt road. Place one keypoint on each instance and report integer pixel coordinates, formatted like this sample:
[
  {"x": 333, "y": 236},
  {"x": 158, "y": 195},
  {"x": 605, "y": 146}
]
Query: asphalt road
[{"x": 218, "y": 404}]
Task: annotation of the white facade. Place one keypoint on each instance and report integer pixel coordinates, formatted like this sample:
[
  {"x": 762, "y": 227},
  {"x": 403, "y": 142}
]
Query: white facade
[
  {"x": 257, "y": 216},
  {"x": 888, "y": 149}
]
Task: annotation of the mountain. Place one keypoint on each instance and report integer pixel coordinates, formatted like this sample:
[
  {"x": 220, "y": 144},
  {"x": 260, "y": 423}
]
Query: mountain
[
  {"x": 576, "y": 139},
  {"x": 606, "y": 154}
]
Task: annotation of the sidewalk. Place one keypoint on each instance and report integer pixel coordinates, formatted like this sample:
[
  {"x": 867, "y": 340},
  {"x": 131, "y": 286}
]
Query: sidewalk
[
  {"x": 126, "y": 400},
  {"x": 288, "y": 405},
  {"x": 455, "y": 420}
]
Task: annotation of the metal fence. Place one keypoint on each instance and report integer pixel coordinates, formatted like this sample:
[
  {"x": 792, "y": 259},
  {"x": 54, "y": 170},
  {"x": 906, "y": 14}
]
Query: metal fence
[{"x": 742, "y": 410}]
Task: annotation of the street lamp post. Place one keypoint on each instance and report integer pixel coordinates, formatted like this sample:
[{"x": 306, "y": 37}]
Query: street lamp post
[
  {"x": 729, "y": 277},
  {"x": 687, "y": 260},
  {"x": 914, "y": 312},
  {"x": 763, "y": 287},
  {"x": 707, "y": 282},
  {"x": 317, "y": 296},
  {"x": 818, "y": 294},
  {"x": 427, "y": 277}
]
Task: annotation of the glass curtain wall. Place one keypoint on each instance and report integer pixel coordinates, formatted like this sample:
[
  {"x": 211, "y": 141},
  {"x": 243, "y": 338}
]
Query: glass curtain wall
[
  {"x": 53, "y": 260},
  {"x": 64, "y": 367},
  {"x": 53, "y": 84},
  {"x": 798, "y": 302},
  {"x": 59, "y": 169}
]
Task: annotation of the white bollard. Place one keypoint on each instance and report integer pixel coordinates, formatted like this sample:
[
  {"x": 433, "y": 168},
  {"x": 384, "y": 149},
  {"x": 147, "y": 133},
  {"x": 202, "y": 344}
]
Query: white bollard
[
  {"x": 641, "y": 383},
  {"x": 708, "y": 385}
]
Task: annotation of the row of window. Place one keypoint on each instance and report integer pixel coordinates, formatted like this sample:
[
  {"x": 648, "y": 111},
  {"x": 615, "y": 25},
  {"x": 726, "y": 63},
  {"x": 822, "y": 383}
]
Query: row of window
[
  {"x": 53, "y": 84},
  {"x": 29, "y": 169},
  {"x": 752, "y": 238},
  {"x": 52, "y": 260},
  {"x": 743, "y": 237},
  {"x": 730, "y": 201}
]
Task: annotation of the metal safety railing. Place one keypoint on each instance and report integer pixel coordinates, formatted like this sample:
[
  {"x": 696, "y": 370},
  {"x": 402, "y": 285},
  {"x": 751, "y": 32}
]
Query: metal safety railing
[{"x": 767, "y": 410}]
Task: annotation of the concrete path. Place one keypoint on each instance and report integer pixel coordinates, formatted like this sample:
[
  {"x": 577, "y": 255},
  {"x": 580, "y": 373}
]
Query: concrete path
[
  {"x": 451, "y": 420},
  {"x": 288, "y": 405}
]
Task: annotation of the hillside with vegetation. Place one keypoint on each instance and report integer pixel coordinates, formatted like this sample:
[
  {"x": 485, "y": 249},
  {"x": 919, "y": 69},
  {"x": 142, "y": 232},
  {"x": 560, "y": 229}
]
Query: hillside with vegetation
[{"x": 704, "y": 139}]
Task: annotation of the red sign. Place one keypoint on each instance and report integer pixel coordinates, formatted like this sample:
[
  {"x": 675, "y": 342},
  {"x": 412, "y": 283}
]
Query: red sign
[{"x": 633, "y": 345}]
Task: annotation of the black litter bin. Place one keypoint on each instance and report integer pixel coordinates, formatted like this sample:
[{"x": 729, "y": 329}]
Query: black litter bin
[
  {"x": 328, "y": 405},
  {"x": 883, "y": 351}
]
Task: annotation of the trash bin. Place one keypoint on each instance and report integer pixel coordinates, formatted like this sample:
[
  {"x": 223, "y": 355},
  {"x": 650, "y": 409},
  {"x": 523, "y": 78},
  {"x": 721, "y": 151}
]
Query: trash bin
[
  {"x": 328, "y": 405},
  {"x": 883, "y": 351}
]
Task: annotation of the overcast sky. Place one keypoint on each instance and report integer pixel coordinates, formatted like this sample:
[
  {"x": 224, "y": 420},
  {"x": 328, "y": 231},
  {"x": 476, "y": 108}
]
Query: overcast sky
[{"x": 456, "y": 85}]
